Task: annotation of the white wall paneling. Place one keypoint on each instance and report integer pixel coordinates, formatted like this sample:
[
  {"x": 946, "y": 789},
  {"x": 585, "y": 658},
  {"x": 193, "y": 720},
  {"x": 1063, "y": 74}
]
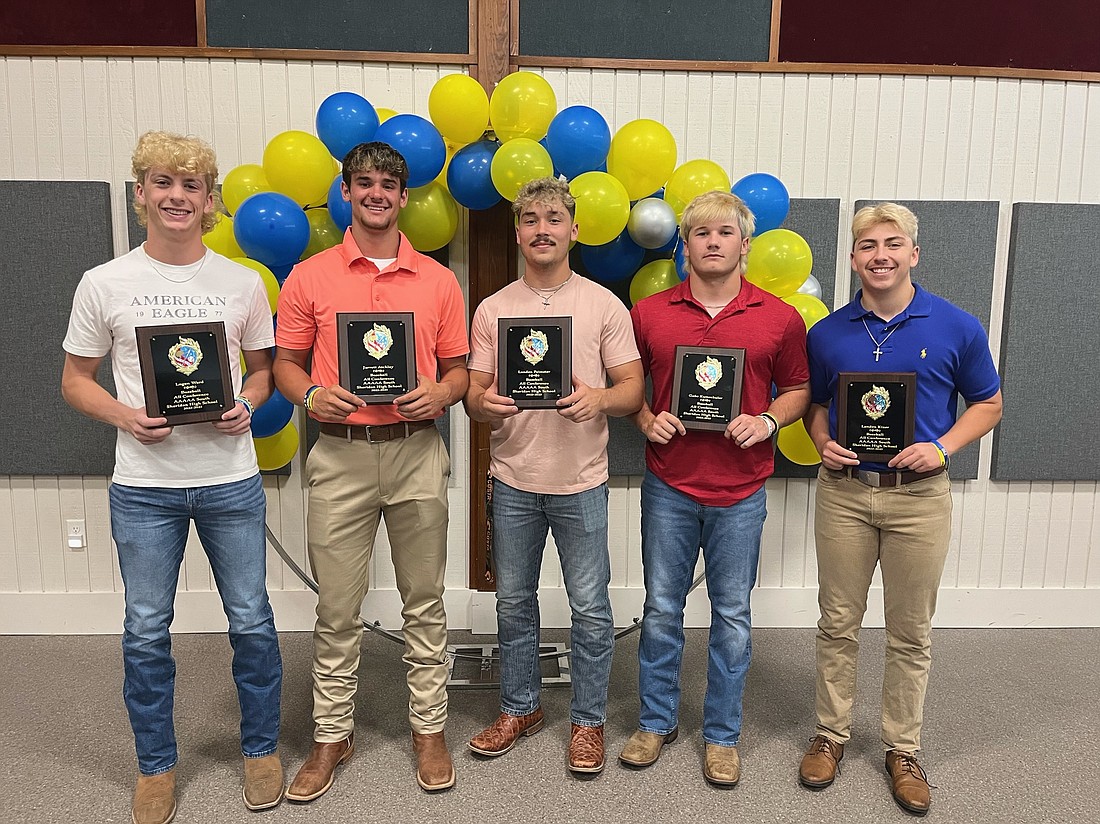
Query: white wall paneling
[{"x": 1021, "y": 553}]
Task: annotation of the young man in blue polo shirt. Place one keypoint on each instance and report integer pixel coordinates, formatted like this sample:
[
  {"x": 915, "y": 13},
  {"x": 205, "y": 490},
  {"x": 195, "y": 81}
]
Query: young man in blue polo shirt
[{"x": 895, "y": 514}]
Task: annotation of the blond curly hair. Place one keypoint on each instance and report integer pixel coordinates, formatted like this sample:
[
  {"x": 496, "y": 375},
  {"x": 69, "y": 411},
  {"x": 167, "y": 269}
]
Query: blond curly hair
[{"x": 178, "y": 154}]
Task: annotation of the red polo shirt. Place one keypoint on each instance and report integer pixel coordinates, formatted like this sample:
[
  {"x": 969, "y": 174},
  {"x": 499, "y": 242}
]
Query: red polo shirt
[{"x": 706, "y": 466}]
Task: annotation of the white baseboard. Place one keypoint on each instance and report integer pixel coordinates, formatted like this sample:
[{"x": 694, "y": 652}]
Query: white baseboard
[{"x": 69, "y": 613}]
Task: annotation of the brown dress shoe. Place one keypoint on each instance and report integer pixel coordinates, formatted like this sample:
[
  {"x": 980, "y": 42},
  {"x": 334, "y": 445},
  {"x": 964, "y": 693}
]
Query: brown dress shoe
[
  {"x": 316, "y": 775},
  {"x": 155, "y": 798},
  {"x": 644, "y": 748},
  {"x": 909, "y": 782},
  {"x": 263, "y": 782},
  {"x": 722, "y": 765},
  {"x": 434, "y": 769},
  {"x": 820, "y": 763},
  {"x": 502, "y": 735},
  {"x": 586, "y": 754}
]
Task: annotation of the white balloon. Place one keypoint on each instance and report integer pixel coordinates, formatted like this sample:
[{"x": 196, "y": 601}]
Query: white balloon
[
  {"x": 810, "y": 287},
  {"x": 652, "y": 223}
]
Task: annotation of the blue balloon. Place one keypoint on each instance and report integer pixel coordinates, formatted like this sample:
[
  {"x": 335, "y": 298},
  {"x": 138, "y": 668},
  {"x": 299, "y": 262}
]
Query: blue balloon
[
  {"x": 338, "y": 208},
  {"x": 272, "y": 416},
  {"x": 545, "y": 145},
  {"x": 617, "y": 260},
  {"x": 281, "y": 273},
  {"x": 468, "y": 176},
  {"x": 679, "y": 255},
  {"x": 344, "y": 120},
  {"x": 578, "y": 140},
  {"x": 271, "y": 228},
  {"x": 419, "y": 142},
  {"x": 767, "y": 199}
]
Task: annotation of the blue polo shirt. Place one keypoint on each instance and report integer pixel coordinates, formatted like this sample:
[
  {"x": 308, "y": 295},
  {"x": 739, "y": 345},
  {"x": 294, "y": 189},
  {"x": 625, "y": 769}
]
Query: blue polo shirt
[{"x": 946, "y": 347}]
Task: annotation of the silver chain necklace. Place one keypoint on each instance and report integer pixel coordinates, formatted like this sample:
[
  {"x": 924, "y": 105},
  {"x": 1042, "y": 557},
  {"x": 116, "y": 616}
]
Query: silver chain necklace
[
  {"x": 877, "y": 351},
  {"x": 159, "y": 271},
  {"x": 551, "y": 292}
]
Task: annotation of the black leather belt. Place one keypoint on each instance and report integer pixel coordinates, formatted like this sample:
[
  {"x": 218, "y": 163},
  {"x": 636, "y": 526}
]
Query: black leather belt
[
  {"x": 375, "y": 434},
  {"x": 889, "y": 479}
]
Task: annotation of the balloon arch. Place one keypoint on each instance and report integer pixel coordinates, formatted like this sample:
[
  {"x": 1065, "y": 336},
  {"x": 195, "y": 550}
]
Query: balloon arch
[{"x": 474, "y": 152}]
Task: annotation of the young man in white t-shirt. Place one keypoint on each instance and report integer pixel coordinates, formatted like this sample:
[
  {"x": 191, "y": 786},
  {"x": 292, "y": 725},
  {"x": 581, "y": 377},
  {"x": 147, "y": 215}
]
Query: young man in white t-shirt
[
  {"x": 549, "y": 469},
  {"x": 167, "y": 476}
]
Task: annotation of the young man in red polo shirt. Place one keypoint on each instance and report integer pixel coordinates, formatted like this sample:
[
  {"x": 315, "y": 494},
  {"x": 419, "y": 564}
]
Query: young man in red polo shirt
[{"x": 705, "y": 488}]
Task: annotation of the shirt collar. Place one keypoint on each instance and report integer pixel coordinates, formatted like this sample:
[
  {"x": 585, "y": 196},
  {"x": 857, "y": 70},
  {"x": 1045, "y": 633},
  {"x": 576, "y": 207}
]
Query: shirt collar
[
  {"x": 407, "y": 258},
  {"x": 919, "y": 306},
  {"x": 750, "y": 295}
]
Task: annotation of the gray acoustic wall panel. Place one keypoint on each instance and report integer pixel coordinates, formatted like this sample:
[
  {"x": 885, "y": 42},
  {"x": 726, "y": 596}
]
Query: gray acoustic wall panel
[
  {"x": 958, "y": 247},
  {"x": 818, "y": 221},
  {"x": 1050, "y": 341},
  {"x": 39, "y": 433}
]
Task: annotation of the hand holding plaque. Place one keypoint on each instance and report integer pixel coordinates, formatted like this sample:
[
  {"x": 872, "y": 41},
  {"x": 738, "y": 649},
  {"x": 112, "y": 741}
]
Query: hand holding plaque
[
  {"x": 377, "y": 354},
  {"x": 534, "y": 360},
  {"x": 876, "y": 413},
  {"x": 706, "y": 386},
  {"x": 185, "y": 372}
]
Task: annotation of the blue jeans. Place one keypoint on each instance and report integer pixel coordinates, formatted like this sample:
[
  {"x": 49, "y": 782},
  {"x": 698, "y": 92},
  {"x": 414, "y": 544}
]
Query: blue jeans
[
  {"x": 673, "y": 529},
  {"x": 579, "y": 525},
  {"x": 150, "y": 528}
]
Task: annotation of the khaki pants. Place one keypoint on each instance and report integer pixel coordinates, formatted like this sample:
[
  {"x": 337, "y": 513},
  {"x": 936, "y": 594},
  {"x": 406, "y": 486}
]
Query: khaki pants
[
  {"x": 905, "y": 530},
  {"x": 353, "y": 484}
]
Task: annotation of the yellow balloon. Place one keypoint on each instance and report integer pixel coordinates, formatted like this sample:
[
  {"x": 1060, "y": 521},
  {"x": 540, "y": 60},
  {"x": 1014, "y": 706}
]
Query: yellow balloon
[
  {"x": 430, "y": 218},
  {"x": 459, "y": 108},
  {"x": 642, "y": 156},
  {"x": 323, "y": 233},
  {"x": 241, "y": 183},
  {"x": 603, "y": 207},
  {"x": 384, "y": 114},
  {"x": 271, "y": 284},
  {"x": 779, "y": 261},
  {"x": 522, "y": 105},
  {"x": 795, "y": 444},
  {"x": 517, "y": 162},
  {"x": 221, "y": 238},
  {"x": 276, "y": 451},
  {"x": 811, "y": 309},
  {"x": 692, "y": 179},
  {"x": 654, "y": 277},
  {"x": 298, "y": 165}
]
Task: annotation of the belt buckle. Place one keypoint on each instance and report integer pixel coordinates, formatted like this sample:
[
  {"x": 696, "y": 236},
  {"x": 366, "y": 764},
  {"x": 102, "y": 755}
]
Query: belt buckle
[
  {"x": 869, "y": 477},
  {"x": 366, "y": 430}
]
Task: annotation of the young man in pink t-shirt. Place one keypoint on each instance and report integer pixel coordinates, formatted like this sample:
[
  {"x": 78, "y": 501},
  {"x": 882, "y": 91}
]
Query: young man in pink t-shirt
[
  {"x": 705, "y": 488},
  {"x": 549, "y": 469}
]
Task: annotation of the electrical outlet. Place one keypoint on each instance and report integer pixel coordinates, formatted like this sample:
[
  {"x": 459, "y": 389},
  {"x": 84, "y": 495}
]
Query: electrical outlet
[{"x": 75, "y": 534}]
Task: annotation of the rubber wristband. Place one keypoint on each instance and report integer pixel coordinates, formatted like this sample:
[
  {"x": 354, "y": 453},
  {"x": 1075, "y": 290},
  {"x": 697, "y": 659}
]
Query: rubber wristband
[
  {"x": 773, "y": 424},
  {"x": 247, "y": 404},
  {"x": 307, "y": 401},
  {"x": 943, "y": 453}
]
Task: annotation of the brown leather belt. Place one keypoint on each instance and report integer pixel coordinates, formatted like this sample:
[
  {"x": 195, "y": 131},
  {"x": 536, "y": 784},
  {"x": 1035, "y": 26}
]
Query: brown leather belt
[
  {"x": 889, "y": 479},
  {"x": 375, "y": 434}
]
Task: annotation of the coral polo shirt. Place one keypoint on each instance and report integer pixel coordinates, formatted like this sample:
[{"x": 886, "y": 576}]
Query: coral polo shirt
[{"x": 342, "y": 279}]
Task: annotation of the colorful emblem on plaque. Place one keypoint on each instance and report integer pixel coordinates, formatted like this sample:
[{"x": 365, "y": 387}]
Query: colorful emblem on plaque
[
  {"x": 708, "y": 373},
  {"x": 186, "y": 355},
  {"x": 378, "y": 341},
  {"x": 534, "y": 347},
  {"x": 875, "y": 402}
]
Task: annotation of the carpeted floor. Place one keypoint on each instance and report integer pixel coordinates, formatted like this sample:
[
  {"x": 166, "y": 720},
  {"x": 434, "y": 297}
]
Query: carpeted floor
[{"x": 1012, "y": 732}]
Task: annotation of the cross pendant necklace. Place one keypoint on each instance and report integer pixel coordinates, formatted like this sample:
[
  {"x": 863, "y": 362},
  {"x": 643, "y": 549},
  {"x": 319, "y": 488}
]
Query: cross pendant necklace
[{"x": 877, "y": 351}]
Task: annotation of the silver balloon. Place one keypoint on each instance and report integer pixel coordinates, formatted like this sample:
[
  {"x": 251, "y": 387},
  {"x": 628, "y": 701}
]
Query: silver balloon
[
  {"x": 810, "y": 287},
  {"x": 652, "y": 223}
]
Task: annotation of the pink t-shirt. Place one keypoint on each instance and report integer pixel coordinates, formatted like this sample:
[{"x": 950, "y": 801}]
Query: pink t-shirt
[
  {"x": 538, "y": 450},
  {"x": 341, "y": 279}
]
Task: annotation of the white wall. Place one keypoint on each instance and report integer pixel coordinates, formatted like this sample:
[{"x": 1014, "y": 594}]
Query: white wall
[{"x": 1021, "y": 553}]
